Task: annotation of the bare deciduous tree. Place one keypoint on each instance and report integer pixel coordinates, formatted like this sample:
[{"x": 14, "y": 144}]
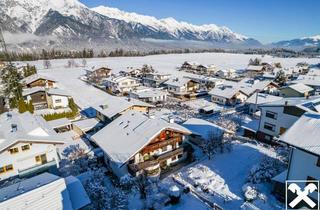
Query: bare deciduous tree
[{"x": 46, "y": 64}]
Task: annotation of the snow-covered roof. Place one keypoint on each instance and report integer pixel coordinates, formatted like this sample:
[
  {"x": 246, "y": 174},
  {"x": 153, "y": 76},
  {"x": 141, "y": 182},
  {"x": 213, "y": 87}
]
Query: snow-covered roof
[
  {"x": 15, "y": 127},
  {"x": 300, "y": 87},
  {"x": 197, "y": 77},
  {"x": 59, "y": 123},
  {"x": 147, "y": 93},
  {"x": 254, "y": 68},
  {"x": 304, "y": 133},
  {"x": 177, "y": 81},
  {"x": 113, "y": 105},
  {"x": 308, "y": 80},
  {"x": 119, "y": 78},
  {"x": 203, "y": 128},
  {"x": 311, "y": 104},
  {"x": 56, "y": 91},
  {"x": 35, "y": 77},
  {"x": 45, "y": 190},
  {"x": 78, "y": 195},
  {"x": 29, "y": 91},
  {"x": 262, "y": 98},
  {"x": 86, "y": 124},
  {"x": 129, "y": 133},
  {"x": 224, "y": 91}
]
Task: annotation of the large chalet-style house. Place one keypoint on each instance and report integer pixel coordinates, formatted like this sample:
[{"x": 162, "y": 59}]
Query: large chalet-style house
[
  {"x": 278, "y": 116},
  {"x": 42, "y": 98},
  {"x": 182, "y": 87},
  {"x": 37, "y": 80},
  {"x": 232, "y": 93},
  {"x": 45, "y": 191},
  {"x": 154, "y": 79},
  {"x": 28, "y": 145},
  {"x": 304, "y": 159},
  {"x": 98, "y": 76},
  {"x": 121, "y": 84},
  {"x": 138, "y": 143}
]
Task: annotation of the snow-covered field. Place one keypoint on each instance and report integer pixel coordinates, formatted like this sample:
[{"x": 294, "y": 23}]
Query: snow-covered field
[{"x": 86, "y": 95}]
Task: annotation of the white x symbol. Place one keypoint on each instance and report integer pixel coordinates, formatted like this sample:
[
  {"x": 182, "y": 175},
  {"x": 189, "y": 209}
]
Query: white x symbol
[{"x": 302, "y": 195}]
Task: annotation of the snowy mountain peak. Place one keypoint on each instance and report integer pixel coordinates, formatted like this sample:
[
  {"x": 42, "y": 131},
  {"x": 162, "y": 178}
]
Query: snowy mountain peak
[
  {"x": 69, "y": 21},
  {"x": 169, "y": 24},
  {"x": 314, "y": 38}
]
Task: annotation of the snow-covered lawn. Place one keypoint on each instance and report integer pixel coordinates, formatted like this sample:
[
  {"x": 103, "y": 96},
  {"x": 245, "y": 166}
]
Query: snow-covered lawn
[{"x": 222, "y": 178}]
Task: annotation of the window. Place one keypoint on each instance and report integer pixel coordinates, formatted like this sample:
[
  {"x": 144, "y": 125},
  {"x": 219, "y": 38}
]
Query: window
[
  {"x": 164, "y": 149},
  {"x": 269, "y": 127},
  {"x": 38, "y": 159},
  {"x": 57, "y": 100},
  {"x": 271, "y": 115},
  {"x": 318, "y": 162},
  {"x": 179, "y": 156},
  {"x": 9, "y": 167},
  {"x": 14, "y": 150},
  {"x": 174, "y": 158},
  {"x": 25, "y": 147},
  {"x": 6, "y": 168},
  {"x": 292, "y": 110}
]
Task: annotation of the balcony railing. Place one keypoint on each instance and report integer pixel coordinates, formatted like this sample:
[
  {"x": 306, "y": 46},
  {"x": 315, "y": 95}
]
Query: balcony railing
[{"x": 156, "y": 159}]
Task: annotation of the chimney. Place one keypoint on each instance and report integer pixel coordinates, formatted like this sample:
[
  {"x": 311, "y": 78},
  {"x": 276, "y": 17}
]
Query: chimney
[
  {"x": 14, "y": 127},
  {"x": 286, "y": 103},
  {"x": 9, "y": 115},
  {"x": 171, "y": 120}
]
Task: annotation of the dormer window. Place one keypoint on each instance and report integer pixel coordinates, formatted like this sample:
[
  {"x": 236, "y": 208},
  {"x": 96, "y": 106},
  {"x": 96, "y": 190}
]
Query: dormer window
[
  {"x": 25, "y": 147},
  {"x": 14, "y": 150}
]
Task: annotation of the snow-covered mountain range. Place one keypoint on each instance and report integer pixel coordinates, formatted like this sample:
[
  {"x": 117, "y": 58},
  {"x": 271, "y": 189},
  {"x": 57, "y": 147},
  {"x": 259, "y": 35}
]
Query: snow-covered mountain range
[
  {"x": 69, "y": 22},
  {"x": 305, "y": 42}
]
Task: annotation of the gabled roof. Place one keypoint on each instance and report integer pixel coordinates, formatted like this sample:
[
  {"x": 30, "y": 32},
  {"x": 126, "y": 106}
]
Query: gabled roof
[
  {"x": 29, "y": 91},
  {"x": 56, "y": 91},
  {"x": 67, "y": 193},
  {"x": 203, "y": 128},
  {"x": 304, "y": 133},
  {"x": 118, "y": 79},
  {"x": 308, "y": 80},
  {"x": 177, "y": 81},
  {"x": 86, "y": 124},
  {"x": 299, "y": 87},
  {"x": 115, "y": 105},
  {"x": 255, "y": 68},
  {"x": 29, "y": 128},
  {"x": 262, "y": 98},
  {"x": 147, "y": 93},
  {"x": 129, "y": 133},
  {"x": 35, "y": 77},
  {"x": 311, "y": 104}
]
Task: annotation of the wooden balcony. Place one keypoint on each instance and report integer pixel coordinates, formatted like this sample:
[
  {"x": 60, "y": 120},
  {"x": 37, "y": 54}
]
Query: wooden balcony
[
  {"x": 161, "y": 144},
  {"x": 155, "y": 160}
]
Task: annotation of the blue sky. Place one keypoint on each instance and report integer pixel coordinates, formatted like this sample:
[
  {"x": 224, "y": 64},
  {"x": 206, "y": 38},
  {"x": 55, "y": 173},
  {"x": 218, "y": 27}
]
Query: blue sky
[{"x": 265, "y": 20}]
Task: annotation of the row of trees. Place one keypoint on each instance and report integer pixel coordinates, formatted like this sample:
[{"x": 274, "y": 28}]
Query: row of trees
[
  {"x": 90, "y": 53},
  {"x": 29, "y": 70},
  {"x": 25, "y": 106}
]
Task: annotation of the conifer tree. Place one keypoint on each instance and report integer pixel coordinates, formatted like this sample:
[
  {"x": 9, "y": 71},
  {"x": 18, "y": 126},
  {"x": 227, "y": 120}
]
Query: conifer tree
[{"x": 22, "y": 106}]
